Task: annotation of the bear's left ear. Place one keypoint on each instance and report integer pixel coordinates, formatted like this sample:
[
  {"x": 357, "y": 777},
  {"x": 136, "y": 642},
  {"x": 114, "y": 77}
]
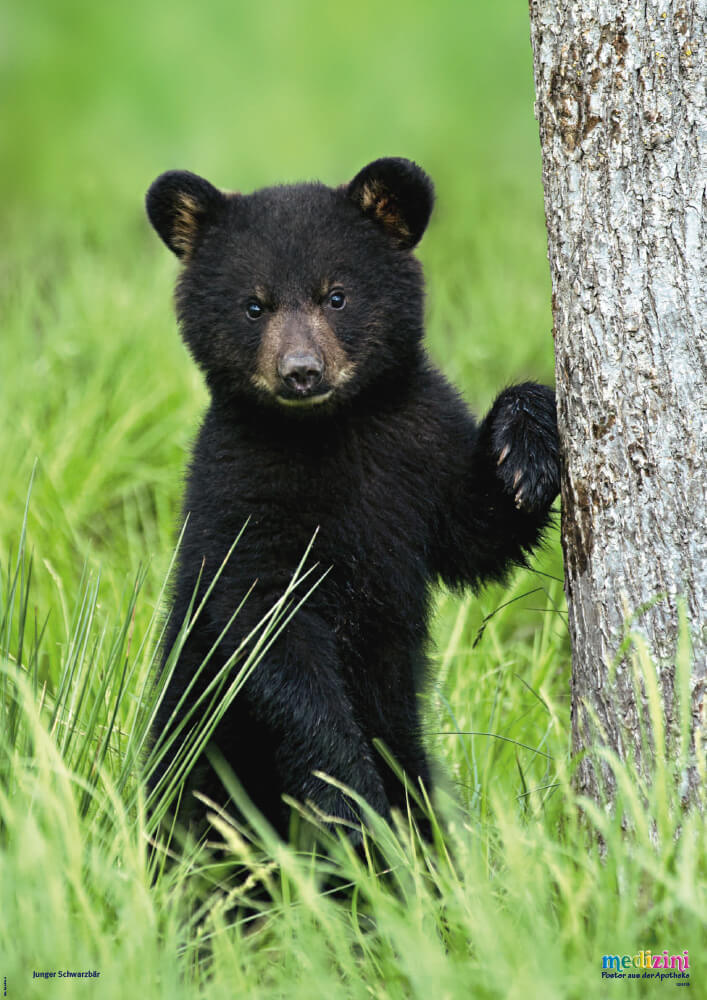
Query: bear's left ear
[
  {"x": 179, "y": 204},
  {"x": 398, "y": 195}
]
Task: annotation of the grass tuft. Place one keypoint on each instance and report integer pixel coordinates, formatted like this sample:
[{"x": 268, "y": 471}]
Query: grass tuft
[{"x": 524, "y": 885}]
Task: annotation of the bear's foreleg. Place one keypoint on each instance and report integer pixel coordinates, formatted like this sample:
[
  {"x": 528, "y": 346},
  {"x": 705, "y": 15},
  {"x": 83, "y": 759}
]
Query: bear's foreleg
[
  {"x": 296, "y": 700},
  {"x": 500, "y": 489}
]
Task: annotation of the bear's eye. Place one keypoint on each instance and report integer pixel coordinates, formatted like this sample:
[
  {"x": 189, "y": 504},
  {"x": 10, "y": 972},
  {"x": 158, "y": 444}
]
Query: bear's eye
[
  {"x": 254, "y": 309},
  {"x": 337, "y": 299}
]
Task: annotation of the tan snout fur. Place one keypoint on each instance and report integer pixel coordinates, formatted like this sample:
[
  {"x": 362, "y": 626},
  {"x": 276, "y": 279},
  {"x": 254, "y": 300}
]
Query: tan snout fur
[{"x": 301, "y": 330}]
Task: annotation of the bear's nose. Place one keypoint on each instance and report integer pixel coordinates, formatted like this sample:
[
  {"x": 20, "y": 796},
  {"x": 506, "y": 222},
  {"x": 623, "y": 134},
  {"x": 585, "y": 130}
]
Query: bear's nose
[{"x": 301, "y": 371}]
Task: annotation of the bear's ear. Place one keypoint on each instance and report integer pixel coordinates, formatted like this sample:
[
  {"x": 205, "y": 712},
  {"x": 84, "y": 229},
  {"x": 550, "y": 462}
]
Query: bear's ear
[
  {"x": 398, "y": 195},
  {"x": 178, "y": 204}
]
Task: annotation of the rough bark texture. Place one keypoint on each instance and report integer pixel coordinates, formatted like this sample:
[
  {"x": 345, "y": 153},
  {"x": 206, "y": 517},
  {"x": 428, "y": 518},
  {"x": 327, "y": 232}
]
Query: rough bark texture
[{"x": 620, "y": 88}]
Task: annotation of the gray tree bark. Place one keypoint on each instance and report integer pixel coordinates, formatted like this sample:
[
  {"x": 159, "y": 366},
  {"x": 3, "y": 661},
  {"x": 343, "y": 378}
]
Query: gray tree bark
[{"x": 622, "y": 111}]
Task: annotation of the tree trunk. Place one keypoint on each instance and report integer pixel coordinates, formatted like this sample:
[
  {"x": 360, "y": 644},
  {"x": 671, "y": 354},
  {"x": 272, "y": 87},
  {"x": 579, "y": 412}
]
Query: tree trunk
[{"x": 620, "y": 102}]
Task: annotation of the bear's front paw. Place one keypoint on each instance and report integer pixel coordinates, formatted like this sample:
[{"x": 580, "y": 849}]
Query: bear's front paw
[{"x": 525, "y": 447}]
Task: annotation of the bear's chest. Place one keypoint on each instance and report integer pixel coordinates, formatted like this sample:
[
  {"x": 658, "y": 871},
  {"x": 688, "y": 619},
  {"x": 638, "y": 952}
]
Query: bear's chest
[
  {"x": 363, "y": 497},
  {"x": 368, "y": 508}
]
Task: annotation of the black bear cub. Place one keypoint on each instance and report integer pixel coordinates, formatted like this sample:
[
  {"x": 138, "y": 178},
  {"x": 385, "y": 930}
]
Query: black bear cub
[{"x": 303, "y": 306}]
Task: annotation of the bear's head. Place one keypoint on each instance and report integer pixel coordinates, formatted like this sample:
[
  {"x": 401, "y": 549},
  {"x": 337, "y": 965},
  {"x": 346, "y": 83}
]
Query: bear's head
[{"x": 298, "y": 297}]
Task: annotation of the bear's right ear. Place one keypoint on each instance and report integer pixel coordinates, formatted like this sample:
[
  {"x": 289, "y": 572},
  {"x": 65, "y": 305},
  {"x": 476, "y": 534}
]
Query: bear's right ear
[{"x": 178, "y": 204}]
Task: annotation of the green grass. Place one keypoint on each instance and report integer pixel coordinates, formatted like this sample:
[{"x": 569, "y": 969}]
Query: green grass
[
  {"x": 522, "y": 893},
  {"x": 519, "y": 897}
]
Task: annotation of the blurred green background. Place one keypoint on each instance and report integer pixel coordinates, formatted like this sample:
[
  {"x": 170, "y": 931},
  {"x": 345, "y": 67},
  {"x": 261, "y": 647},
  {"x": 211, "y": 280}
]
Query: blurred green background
[{"x": 100, "y": 98}]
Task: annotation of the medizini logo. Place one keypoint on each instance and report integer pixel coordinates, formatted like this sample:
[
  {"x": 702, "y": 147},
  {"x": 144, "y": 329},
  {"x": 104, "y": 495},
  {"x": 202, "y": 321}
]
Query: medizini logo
[{"x": 613, "y": 964}]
